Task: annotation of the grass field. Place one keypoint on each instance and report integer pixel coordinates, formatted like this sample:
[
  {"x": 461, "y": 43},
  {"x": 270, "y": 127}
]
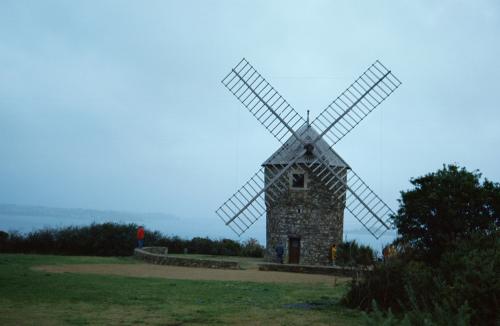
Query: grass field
[{"x": 29, "y": 297}]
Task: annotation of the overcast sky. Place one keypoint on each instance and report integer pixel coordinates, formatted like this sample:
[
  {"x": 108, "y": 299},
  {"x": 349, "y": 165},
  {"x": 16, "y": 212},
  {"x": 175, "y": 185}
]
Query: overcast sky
[{"x": 118, "y": 105}]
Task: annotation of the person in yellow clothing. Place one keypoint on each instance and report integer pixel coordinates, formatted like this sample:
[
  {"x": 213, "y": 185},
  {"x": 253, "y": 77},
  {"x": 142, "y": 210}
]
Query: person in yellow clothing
[
  {"x": 334, "y": 253},
  {"x": 392, "y": 251},
  {"x": 389, "y": 252}
]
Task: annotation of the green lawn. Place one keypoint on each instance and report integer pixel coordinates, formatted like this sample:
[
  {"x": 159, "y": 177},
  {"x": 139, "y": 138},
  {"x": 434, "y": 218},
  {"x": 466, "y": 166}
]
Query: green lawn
[{"x": 30, "y": 297}]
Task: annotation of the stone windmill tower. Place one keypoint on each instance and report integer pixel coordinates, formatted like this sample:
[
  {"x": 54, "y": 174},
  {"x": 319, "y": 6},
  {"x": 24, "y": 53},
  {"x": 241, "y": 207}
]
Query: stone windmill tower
[
  {"x": 308, "y": 218},
  {"x": 305, "y": 187}
]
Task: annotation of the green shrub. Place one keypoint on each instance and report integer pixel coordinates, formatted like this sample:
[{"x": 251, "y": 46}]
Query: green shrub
[
  {"x": 439, "y": 315},
  {"x": 252, "y": 248},
  {"x": 471, "y": 273},
  {"x": 351, "y": 253},
  {"x": 114, "y": 239},
  {"x": 468, "y": 274},
  {"x": 4, "y": 236},
  {"x": 384, "y": 285},
  {"x": 201, "y": 246}
]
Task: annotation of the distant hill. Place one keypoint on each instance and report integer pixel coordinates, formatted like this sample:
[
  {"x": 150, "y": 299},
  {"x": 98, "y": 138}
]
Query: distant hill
[
  {"x": 43, "y": 211},
  {"x": 26, "y": 218}
]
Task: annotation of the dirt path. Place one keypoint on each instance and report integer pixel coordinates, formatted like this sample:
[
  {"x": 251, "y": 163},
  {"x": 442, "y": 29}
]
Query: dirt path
[{"x": 188, "y": 273}]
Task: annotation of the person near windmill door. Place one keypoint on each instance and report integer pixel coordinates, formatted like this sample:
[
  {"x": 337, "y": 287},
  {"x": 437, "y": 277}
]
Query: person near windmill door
[
  {"x": 334, "y": 253},
  {"x": 279, "y": 253}
]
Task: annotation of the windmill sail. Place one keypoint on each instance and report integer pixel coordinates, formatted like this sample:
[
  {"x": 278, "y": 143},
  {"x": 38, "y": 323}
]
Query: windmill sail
[
  {"x": 248, "y": 204},
  {"x": 367, "y": 207},
  {"x": 262, "y": 100},
  {"x": 356, "y": 102},
  {"x": 248, "y": 201}
]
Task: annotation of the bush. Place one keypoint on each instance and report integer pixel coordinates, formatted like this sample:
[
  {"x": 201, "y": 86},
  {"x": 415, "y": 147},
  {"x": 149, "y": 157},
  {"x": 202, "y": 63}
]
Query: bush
[
  {"x": 229, "y": 247},
  {"x": 107, "y": 239},
  {"x": 352, "y": 253},
  {"x": 384, "y": 285},
  {"x": 252, "y": 248},
  {"x": 415, "y": 292},
  {"x": 438, "y": 316},
  {"x": 471, "y": 274},
  {"x": 4, "y": 236},
  {"x": 201, "y": 246},
  {"x": 113, "y": 239}
]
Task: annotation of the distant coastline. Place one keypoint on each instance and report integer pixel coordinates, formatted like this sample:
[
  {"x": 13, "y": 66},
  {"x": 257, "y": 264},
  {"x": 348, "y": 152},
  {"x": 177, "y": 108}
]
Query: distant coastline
[{"x": 26, "y": 218}]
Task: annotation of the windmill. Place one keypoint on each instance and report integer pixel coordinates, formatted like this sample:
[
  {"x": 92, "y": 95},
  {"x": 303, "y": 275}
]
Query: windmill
[{"x": 305, "y": 186}]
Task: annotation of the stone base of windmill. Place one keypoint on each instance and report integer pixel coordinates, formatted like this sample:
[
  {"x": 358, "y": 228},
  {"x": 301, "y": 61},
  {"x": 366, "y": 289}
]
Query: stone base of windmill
[{"x": 305, "y": 222}]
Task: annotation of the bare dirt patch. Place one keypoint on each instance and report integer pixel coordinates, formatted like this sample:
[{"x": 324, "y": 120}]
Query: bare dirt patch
[{"x": 187, "y": 273}]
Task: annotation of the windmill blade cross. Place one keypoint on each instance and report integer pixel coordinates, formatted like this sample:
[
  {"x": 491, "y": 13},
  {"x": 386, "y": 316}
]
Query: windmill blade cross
[{"x": 249, "y": 203}]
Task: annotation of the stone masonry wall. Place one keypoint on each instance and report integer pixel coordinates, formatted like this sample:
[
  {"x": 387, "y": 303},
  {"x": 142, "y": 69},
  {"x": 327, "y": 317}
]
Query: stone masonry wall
[
  {"x": 312, "y": 214},
  {"x": 155, "y": 255}
]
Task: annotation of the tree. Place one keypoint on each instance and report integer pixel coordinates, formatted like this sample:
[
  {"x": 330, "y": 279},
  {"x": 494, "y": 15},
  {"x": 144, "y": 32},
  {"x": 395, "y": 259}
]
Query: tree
[
  {"x": 444, "y": 208},
  {"x": 448, "y": 262}
]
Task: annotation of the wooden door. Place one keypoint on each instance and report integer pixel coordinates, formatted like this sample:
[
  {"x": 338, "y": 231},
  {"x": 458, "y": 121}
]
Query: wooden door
[{"x": 294, "y": 251}]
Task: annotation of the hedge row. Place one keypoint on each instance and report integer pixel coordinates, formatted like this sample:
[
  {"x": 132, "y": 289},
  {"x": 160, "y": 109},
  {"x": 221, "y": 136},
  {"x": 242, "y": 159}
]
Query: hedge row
[
  {"x": 114, "y": 239},
  {"x": 350, "y": 253}
]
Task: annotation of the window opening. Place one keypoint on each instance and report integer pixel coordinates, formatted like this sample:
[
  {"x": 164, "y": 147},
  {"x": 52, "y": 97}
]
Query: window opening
[{"x": 298, "y": 180}]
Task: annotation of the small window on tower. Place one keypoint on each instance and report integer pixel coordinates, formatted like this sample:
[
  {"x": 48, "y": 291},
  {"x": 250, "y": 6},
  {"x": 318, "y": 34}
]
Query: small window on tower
[{"x": 298, "y": 180}]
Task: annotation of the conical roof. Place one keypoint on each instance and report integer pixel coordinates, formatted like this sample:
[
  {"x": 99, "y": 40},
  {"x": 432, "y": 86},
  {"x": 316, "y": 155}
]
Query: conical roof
[{"x": 292, "y": 147}]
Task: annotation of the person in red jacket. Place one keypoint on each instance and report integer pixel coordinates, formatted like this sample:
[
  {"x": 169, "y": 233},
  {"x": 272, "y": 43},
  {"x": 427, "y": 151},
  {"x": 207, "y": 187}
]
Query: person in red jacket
[{"x": 140, "y": 237}]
